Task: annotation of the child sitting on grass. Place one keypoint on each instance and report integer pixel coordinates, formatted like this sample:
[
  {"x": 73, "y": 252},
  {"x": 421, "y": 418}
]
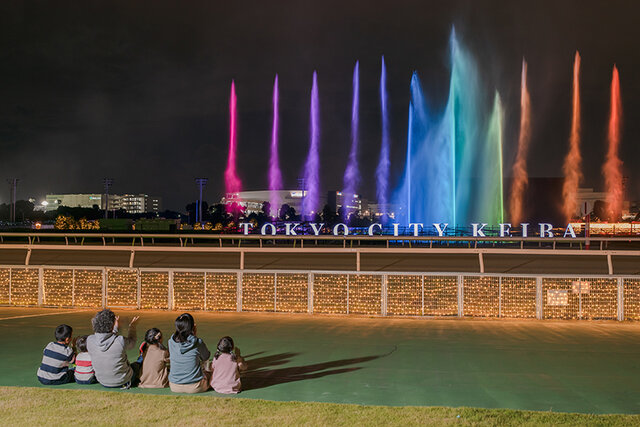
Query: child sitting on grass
[
  {"x": 155, "y": 373},
  {"x": 84, "y": 368},
  {"x": 56, "y": 357},
  {"x": 226, "y": 366}
]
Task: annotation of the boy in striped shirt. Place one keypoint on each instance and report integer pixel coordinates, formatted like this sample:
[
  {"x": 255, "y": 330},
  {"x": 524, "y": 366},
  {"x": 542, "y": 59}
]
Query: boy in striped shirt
[
  {"x": 84, "y": 368},
  {"x": 56, "y": 357}
]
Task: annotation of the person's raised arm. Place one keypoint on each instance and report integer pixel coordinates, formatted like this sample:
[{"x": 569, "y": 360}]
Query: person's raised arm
[
  {"x": 130, "y": 340},
  {"x": 242, "y": 365}
]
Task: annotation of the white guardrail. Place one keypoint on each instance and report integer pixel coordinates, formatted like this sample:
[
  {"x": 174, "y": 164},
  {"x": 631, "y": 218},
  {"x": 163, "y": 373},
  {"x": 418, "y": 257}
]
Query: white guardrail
[{"x": 353, "y": 244}]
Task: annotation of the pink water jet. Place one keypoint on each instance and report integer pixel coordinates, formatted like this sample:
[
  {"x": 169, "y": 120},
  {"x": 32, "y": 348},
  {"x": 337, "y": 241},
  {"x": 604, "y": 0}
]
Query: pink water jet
[{"x": 231, "y": 180}]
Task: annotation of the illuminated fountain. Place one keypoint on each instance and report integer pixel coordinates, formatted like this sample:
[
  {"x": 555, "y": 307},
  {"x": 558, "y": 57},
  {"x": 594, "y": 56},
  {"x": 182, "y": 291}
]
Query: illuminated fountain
[
  {"x": 312, "y": 165},
  {"x": 352, "y": 173},
  {"x": 231, "y": 180},
  {"x": 520, "y": 175},
  {"x": 612, "y": 168},
  {"x": 453, "y": 169},
  {"x": 382, "y": 171},
  {"x": 572, "y": 167},
  {"x": 275, "y": 175}
]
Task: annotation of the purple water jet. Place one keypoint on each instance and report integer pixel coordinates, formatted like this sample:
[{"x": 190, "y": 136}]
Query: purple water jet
[
  {"x": 275, "y": 175},
  {"x": 312, "y": 165},
  {"x": 382, "y": 171},
  {"x": 351, "y": 173}
]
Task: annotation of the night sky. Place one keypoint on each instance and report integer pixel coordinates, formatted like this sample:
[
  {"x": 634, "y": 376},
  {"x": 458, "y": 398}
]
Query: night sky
[{"x": 138, "y": 90}]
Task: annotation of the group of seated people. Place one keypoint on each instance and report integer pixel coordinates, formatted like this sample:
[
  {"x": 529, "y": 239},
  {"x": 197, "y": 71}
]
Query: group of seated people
[{"x": 102, "y": 357}]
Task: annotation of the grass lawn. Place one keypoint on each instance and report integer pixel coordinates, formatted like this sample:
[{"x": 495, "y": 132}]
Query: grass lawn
[
  {"x": 548, "y": 366},
  {"x": 32, "y": 406}
]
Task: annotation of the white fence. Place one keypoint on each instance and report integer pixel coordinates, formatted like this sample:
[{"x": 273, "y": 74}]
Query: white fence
[{"x": 322, "y": 292}]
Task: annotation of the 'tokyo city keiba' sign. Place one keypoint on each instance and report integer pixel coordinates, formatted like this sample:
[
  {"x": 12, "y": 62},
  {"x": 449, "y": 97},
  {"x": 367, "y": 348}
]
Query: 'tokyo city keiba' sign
[{"x": 415, "y": 229}]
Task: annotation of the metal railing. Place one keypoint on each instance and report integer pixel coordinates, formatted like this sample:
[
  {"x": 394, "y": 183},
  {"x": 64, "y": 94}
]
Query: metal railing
[{"x": 300, "y": 241}]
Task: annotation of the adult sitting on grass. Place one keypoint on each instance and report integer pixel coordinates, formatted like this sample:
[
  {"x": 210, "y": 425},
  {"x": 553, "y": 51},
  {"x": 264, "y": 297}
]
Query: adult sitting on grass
[
  {"x": 108, "y": 351},
  {"x": 188, "y": 354}
]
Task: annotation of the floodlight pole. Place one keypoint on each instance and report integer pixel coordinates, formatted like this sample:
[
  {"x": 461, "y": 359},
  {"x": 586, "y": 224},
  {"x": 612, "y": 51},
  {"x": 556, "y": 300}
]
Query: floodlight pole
[
  {"x": 107, "y": 184},
  {"x": 13, "y": 182},
  {"x": 201, "y": 183}
]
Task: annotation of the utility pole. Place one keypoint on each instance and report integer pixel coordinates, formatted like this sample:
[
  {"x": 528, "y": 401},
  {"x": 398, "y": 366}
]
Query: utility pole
[
  {"x": 13, "y": 183},
  {"x": 201, "y": 183},
  {"x": 107, "y": 182}
]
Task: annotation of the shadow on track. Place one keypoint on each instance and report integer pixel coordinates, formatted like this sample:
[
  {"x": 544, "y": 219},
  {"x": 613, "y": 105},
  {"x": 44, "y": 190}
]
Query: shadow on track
[{"x": 259, "y": 375}]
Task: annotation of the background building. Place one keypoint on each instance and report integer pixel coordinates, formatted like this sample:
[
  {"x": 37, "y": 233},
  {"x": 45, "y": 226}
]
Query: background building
[
  {"x": 139, "y": 203},
  {"x": 350, "y": 202},
  {"x": 586, "y": 199},
  {"x": 53, "y": 201},
  {"x": 376, "y": 210},
  {"x": 131, "y": 203},
  {"x": 252, "y": 200}
]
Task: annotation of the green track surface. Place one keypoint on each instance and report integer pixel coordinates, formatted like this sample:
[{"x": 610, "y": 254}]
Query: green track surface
[{"x": 588, "y": 367}]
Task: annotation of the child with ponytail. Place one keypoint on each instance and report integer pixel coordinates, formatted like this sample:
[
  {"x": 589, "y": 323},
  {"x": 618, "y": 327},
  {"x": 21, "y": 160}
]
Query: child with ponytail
[
  {"x": 227, "y": 364},
  {"x": 155, "y": 373}
]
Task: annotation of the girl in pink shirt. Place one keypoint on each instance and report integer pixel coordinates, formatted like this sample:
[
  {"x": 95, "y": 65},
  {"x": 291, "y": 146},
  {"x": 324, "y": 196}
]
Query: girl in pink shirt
[{"x": 226, "y": 366}]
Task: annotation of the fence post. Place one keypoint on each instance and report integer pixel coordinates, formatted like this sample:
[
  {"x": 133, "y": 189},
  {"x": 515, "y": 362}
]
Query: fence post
[
  {"x": 383, "y": 296},
  {"x": 205, "y": 291},
  {"x": 500, "y": 296},
  {"x": 460, "y": 296},
  {"x": 620, "y": 299},
  {"x": 579, "y": 298},
  {"x": 239, "y": 292},
  {"x": 139, "y": 287},
  {"x": 73, "y": 287},
  {"x": 104, "y": 287},
  {"x": 348, "y": 293},
  {"x": 310, "y": 279},
  {"x": 41, "y": 296},
  {"x": 422, "y": 280},
  {"x": 170, "y": 301},
  {"x": 275, "y": 291},
  {"x": 539, "y": 301}
]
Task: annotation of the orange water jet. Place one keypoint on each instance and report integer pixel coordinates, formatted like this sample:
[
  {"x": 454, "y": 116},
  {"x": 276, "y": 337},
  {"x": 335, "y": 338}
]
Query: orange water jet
[
  {"x": 520, "y": 175},
  {"x": 572, "y": 167},
  {"x": 612, "y": 168}
]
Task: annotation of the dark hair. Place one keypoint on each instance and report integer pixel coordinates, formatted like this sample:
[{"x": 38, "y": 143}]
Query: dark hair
[
  {"x": 103, "y": 321},
  {"x": 225, "y": 345},
  {"x": 184, "y": 327},
  {"x": 63, "y": 332},
  {"x": 81, "y": 343},
  {"x": 153, "y": 336}
]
